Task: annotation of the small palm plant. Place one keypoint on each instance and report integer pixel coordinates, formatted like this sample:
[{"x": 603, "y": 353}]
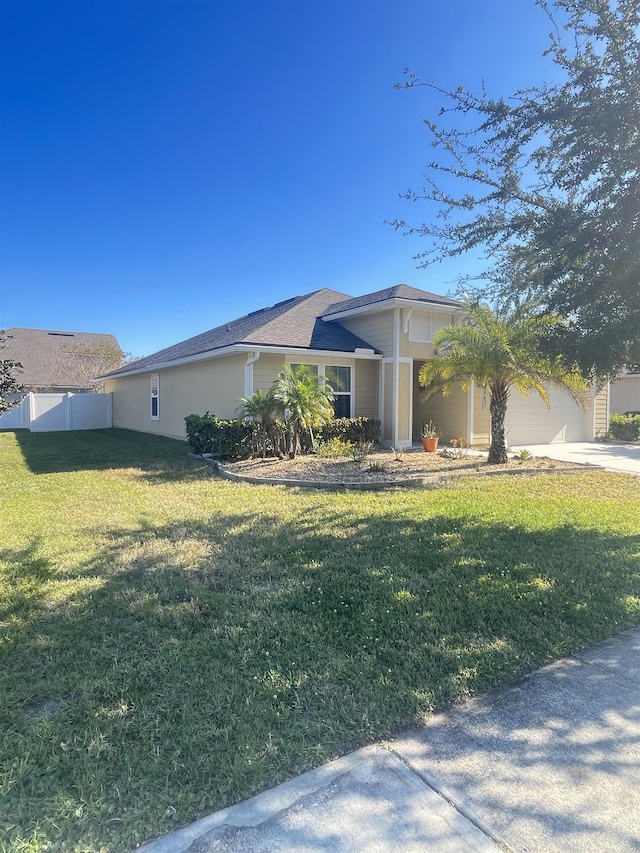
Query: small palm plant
[
  {"x": 261, "y": 408},
  {"x": 499, "y": 351},
  {"x": 304, "y": 401}
]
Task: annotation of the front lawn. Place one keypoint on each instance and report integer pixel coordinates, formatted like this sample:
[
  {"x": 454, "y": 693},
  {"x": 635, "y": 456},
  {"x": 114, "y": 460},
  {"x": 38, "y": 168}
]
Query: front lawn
[{"x": 172, "y": 643}]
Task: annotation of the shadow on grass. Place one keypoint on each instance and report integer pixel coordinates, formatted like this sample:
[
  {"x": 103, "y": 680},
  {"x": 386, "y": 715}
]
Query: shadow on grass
[
  {"x": 206, "y": 661},
  {"x": 27, "y": 572},
  {"x": 162, "y": 459}
]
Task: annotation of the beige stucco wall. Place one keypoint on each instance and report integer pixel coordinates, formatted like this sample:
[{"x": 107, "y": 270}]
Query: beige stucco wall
[
  {"x": 416, "y": 349},
  {"x": 213, "y": 385},
  {"x": 481, "y": 417},
  {"x": 625, "y": 394},
  {"x": 265, "y": 370},
  {"x": 600, "y": 408},
  {"x": 449, "y": 413},
  {"x": 367, "y": 378},
  {"x": 376, "y": 329}
]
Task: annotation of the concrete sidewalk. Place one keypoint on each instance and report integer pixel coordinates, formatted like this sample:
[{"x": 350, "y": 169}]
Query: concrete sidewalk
[{"x": 551, "y": 762}]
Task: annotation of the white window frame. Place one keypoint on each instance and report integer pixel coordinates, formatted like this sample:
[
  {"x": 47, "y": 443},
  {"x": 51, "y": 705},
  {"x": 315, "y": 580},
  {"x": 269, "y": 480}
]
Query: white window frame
[
  {"x": 348, "y": 393},
  {"x": 155, "y": 386}
]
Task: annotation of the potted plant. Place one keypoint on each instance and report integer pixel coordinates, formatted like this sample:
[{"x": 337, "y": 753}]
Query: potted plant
[{"x": 430, "y": 436}]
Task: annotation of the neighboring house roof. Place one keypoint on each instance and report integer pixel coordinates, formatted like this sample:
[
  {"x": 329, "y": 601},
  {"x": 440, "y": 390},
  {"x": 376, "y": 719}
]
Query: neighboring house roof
[
  {"x": 294, "y": 323},
  {"x": 45, "y": 357},
  {"x": 389, "y": 294}
]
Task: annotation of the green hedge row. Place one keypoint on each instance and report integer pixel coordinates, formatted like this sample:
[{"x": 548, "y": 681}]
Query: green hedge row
[
  {"x": 223, "y": 439},
  {"x": 233, "y": 439},
  {"x": 625, "y": 427},
  {"x": 355, "y": 430}
]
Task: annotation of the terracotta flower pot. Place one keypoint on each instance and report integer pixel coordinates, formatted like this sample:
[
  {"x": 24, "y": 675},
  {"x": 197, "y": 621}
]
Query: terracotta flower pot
[{"x": 430, "y": 444}]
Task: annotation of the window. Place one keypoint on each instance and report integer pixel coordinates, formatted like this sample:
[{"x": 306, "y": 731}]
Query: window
[
  {"x": 155, "y": 397},
  {"x": 339, "y": 378}
]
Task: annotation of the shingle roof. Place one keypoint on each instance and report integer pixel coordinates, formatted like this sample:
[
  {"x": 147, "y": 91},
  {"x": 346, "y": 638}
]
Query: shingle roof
[
  {"x": 399, "y": 291},
  {"x": 295, "y": 322},
  {"x": 46, "y": 358}
]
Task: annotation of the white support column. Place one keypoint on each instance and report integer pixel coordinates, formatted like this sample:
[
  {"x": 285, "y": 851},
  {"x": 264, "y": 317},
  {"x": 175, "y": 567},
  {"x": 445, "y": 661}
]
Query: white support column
[
  {"x": 396, "y": 375},
  {"x": 410, "y": 439},
  {"x": 470, "y": 413},
  {"x": 404, "y": 407}
]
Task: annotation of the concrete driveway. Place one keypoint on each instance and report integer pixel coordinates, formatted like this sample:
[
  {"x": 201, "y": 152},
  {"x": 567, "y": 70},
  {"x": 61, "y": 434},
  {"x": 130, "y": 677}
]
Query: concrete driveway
[{"x": 614, "y": 457}]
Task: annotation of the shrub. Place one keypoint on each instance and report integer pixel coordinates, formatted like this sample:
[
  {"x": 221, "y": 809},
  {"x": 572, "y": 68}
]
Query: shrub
[
  {"x": 334, "y": 447},
  {"x": 354, "y": 430},
  {"x": 359, "y": 452},
  {"x": 235, "y": 439},
  {"x": 523, "y": 455},
  {"x": 625, "y": 427},
  {"x": 460, "y": 447},
  {"x": 224, "y": 439}
]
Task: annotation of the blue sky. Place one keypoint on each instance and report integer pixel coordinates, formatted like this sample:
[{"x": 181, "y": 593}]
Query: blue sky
[{"x": 168, "y": 166}]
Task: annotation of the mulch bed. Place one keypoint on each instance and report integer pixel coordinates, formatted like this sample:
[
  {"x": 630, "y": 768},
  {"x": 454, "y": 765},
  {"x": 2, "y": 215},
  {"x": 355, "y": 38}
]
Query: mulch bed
[{"x": 384, "y": 467}]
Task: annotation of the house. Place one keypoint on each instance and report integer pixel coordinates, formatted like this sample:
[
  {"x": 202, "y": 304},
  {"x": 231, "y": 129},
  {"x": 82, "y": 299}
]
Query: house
[
  {"x": 60, "y": 361},
  {"x": 625, "y": 393},
  {"x": 370, "y": 349}
]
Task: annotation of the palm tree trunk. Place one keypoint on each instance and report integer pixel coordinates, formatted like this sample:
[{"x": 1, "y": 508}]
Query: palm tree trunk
[
  {"x": 497, "y": 411},
  {"x": 263, "y": 436},
  {"x": 293, "y": 440}
]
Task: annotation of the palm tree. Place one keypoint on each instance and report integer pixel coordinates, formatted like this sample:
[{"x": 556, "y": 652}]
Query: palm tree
[
  {"x": 499, "y": 351},
  {"x": 261, "y": 408},
  {"x": 304, "y": 400}
]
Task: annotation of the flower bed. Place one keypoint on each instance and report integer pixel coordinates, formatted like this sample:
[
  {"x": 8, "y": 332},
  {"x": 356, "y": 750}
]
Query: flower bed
[{"x": 385, "y": 467}]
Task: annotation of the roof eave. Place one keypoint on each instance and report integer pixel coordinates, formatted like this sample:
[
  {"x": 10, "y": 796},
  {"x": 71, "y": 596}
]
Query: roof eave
[
  {"x": 364, "y": 353},
  {"x": 175, "y": 362},
  {"x": 359, "y": 353},
  {"x": 396, "y": 302}
]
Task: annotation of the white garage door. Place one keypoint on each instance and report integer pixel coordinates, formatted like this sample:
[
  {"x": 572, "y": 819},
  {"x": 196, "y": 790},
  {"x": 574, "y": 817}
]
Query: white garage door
[{"x": 530, "y": 422}]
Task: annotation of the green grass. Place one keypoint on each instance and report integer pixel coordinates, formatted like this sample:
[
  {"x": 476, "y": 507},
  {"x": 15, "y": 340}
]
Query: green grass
[{"x": 171, "y": 643}]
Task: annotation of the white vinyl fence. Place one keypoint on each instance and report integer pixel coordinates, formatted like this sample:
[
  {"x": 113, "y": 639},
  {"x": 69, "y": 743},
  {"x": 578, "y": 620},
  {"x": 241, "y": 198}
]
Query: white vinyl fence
[{"x": 59, "y": 412}]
